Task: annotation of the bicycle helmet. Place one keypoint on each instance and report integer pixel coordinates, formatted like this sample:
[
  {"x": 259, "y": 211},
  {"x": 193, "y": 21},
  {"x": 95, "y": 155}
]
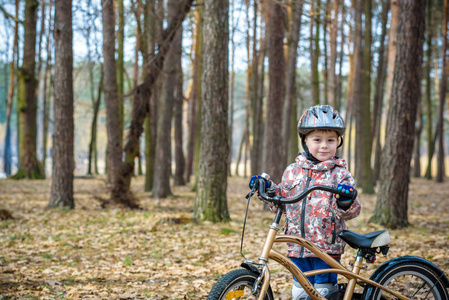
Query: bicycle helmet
[{"x": 321, "y": 117}]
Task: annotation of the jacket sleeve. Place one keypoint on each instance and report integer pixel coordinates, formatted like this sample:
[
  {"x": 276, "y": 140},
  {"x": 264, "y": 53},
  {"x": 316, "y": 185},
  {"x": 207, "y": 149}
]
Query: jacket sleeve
[{"x": 354, "y": 210}]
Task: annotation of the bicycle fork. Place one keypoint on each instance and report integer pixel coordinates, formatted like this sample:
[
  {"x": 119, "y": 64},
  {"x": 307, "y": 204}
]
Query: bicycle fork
[{"x": 264, "y": 275}]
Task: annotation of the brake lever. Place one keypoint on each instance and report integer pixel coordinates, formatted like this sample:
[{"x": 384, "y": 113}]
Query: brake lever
[{"x": 251, "y": 193}]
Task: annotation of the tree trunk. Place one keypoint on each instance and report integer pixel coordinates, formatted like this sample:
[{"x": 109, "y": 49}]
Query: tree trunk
[
  {"x": 232, "y": 75},
  {"x": 339, "y": 92},
  {"x": 428, "y": 95},
  {"x": 331, "y": 77},
  {"x": 442, "y": 97},
  {"x": 47, "y": 91},
  {"x": 391, "y": 206},
  {"x": 93, "y": 127},
  {"x": 113, "y": 124},
  {"x": 211, "y": 201},
  {"x": 121, "y": 190},
  {"x": 239, "y": 153},
  {"x": 257, "y": 98},
  {"x": 290, "y": 97},
  {"x": 63, "y": 133},
  {"x": 378, "y": 96},
  {"x": 392, "y": 49},
  {"x": 178, "y": 116},
  {"x": 276, "y": 74},
  {"x": 315, "y": 50},
  {"x": 416, "y": 147},
  {"x": 29, "y": 167},
  {"x": 147, "y": 46},
  {"x": 161, "y": 188},
  {"x": 358, "y": 88},
  {"x": 365, "y": 147},
  {"x": 120, "y": 62},
  {"x": 7, "y": 152},
  {"x": 195, "y": 98}
]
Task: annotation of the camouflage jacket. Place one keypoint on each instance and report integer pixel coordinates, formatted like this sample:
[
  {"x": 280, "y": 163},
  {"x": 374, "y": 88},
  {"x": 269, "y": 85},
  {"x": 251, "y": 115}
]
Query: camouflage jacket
[{"x": 312, "y": 217}]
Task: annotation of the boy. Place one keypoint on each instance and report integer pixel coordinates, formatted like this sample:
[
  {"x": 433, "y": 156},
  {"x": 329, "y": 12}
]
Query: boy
[{"x": 321, "y": 129}]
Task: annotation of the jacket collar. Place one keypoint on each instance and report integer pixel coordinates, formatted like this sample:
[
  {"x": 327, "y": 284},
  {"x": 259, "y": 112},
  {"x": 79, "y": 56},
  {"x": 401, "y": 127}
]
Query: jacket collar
[{"x": 329, "y": 164}]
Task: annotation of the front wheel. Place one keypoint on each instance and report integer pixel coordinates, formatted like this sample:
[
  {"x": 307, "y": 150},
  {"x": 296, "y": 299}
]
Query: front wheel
[
  {"x": 237, "y": 284},
  {"x": 411, "y": 279}
]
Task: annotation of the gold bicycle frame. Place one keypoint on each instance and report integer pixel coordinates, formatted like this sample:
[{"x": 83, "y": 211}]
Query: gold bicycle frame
[{"x": 336, "y": 267}]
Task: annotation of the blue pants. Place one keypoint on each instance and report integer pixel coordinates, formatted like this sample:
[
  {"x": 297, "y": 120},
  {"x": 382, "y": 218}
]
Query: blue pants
[{"x": 315, "y": 263}]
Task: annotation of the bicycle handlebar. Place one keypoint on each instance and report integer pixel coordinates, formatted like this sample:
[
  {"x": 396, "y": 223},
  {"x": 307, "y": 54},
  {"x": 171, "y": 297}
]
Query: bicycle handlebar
[{"x": 280, "y": 200}]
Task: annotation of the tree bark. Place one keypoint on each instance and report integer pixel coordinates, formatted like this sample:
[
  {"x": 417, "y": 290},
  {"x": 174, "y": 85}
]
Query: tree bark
[
  {"x": 276, "y": 74},
  {"x": 211, "y": 200},
  {"x": 331, "y": 77},
  {"x": 195, "y": 98},
  {"x": 63, "y": 134},
  {"x": 315, "y": 49},
  {"x": 232, "y": 76},
  {"x": 7, "y": 152},
  {"x": 442, "y": 97},
  {"x": 358, "y": 87},
  {"x": 428, "y": 95},
  {"x": 290, "y": 97},
  {"x": 392, "y": 49},
  {"x": 113, "y": 124},
  {"x": 391, "y": 206},
  {"x": 257, "y": 97},
  {"x": 416, "y": 146},
  {"x": 93, "y": 127},
  {"x": 161, "y": 188},
  {"x": 121, "y": 190},
  {"x": 178, "y": 115},
  {"x": 120, "y": 62},
  {"x": 365, "y": 147},
  {"x": 29, "y": 167},
  {"x": 379, "y": 93},
  {"x": 147, "y": 46}
]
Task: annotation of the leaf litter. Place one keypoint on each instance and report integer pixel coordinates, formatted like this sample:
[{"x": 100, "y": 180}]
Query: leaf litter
[{"x": 159, "y": 252}]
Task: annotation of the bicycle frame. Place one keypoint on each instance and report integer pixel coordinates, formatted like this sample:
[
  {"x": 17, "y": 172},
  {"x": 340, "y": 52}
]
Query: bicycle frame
[{"x": 336, "y": 267}]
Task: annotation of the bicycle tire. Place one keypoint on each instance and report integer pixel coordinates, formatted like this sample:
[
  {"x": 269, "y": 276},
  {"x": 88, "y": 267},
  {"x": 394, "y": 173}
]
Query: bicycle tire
[
  {"x": 238, "y": 281},
  {"x": 410, "y": 279}
]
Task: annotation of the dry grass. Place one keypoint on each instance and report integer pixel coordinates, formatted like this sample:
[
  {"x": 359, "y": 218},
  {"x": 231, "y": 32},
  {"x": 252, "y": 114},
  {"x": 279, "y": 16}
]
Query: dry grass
[{"x": 156, "y": 253}]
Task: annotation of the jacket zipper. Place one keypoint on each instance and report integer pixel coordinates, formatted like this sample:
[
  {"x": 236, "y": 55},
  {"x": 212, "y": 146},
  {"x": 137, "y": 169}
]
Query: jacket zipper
[
  {"x": 303, "y": 210},
  {"x": 334, "y": 231}
]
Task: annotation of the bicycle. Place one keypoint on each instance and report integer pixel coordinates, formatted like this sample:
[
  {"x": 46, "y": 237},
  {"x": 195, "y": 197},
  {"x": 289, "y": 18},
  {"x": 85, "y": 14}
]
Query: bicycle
[{"x": 407, "y": 277}]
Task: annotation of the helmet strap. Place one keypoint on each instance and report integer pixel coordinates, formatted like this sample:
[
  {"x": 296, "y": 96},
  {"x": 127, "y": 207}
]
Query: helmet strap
[
  {"x": 341, "y": 142},
  {"x": 308, "y": 155}
]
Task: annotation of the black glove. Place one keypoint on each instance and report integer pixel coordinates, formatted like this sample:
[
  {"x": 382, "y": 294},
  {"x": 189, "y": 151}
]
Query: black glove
[{"x": 344, "y": 202}]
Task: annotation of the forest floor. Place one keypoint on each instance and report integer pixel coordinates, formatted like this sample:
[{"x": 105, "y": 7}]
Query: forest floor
[{"x": 157, "y": 252}]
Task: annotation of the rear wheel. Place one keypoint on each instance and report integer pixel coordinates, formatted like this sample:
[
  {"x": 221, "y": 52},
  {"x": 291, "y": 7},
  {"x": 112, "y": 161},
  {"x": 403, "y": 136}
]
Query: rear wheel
[
  {"x": 237, "y": 284},
  {"x": 411, "y": 279}
]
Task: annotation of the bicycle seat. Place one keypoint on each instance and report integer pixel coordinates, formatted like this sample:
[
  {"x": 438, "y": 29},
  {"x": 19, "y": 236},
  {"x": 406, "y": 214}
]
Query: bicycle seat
[{"x": 368, "y": 240}]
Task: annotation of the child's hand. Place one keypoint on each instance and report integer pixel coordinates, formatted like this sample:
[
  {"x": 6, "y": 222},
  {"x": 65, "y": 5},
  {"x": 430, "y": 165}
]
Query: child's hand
[
  {"x": 254, "y": 178},
  {"x": 344, "y": 202}
]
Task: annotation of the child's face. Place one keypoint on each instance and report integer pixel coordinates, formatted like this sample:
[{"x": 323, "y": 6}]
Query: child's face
[{"x": 322, "y": 144}]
